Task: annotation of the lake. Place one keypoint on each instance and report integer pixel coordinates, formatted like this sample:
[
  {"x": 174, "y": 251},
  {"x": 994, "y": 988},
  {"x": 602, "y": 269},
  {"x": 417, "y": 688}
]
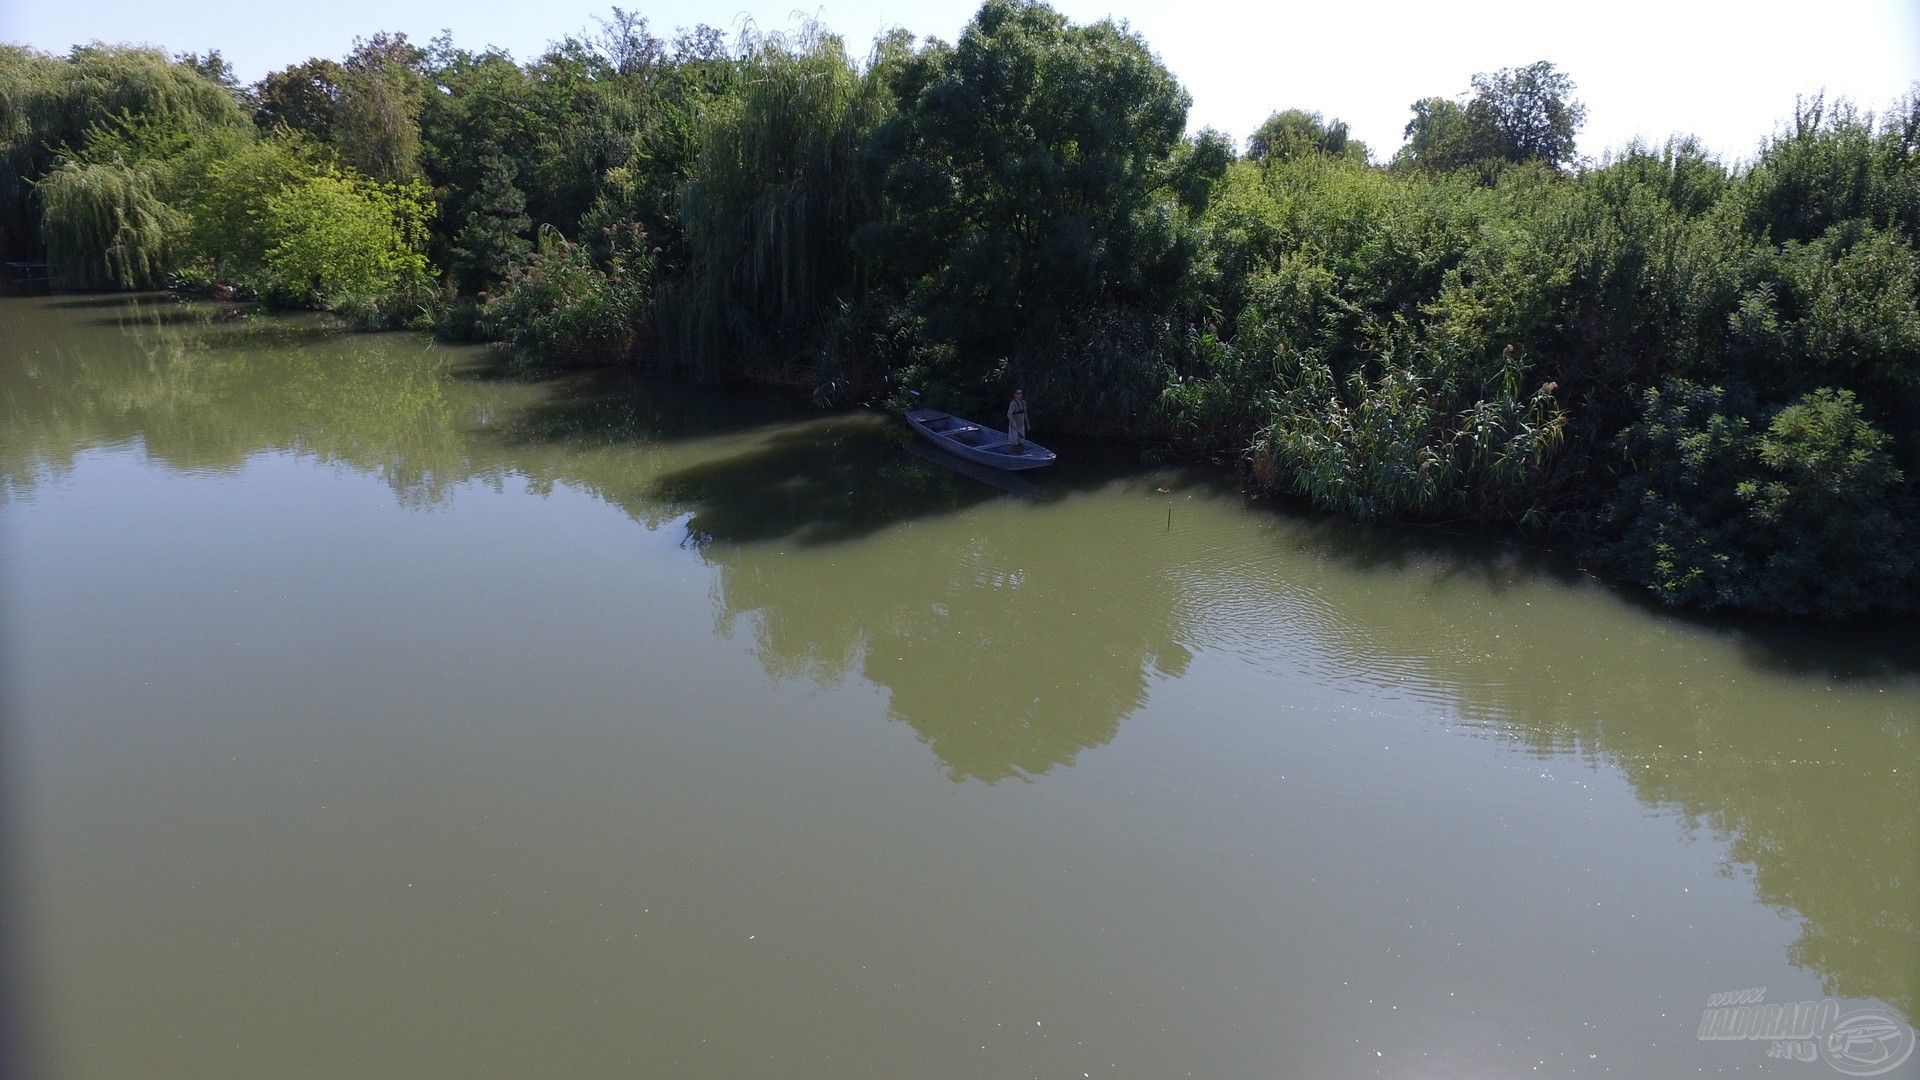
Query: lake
[{"x": 372, "y": 710}]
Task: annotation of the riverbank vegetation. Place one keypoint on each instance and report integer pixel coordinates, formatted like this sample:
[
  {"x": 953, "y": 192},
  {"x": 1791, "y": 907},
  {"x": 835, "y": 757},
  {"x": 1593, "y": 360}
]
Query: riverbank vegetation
[{"x": 1707, "y": 374}]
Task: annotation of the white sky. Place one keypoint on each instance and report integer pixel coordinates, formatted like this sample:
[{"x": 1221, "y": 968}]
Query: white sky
[{"x": 1726, "y": 71}]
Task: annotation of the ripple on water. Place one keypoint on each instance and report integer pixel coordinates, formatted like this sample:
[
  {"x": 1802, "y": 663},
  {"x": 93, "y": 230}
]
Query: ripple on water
[{"x": 1252, "y": 597}]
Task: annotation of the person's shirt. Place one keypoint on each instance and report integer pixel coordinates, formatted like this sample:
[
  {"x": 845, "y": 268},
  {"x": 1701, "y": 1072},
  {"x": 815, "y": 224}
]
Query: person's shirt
[{"x": 1018, "y": 407}]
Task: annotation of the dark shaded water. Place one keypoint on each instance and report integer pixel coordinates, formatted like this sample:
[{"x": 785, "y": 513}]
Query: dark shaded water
[{"x": 371, "y": 712}]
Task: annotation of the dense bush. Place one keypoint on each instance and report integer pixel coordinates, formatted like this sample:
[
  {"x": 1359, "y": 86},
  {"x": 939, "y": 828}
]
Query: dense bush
[
  {"x": 1405, "y": 443},
  {"x": 1707, "y": 373},
  {"x": 1805, "y": 515},
  {"x": 337, "y": 236},
  {"x": 1479, "y": 344},
  {"x": 563, "y": 306},
  {"x": 223, "y": 193}
]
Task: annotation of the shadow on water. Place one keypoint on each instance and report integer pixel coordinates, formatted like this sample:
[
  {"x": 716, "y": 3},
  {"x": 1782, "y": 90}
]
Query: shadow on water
[
  {"x": 65, "y": 301},
  {"x": 611, "y": 407},
  {"x": 1498, "y": 564},
  {"x": 988, "y": 644},
  {"x": 850, "y": 475},
  {"x": 1011, "y": 631},
  {"x": 184, "y": 314},
  {"x": 1795, "y": 745},
  {"x": 994, "y": 650},
  {"x": 1010, "y": 483},
  {"x": 817, "y": 482},
  {"x": 1494, "y": 562},
  {"x": 1864, "y": 649}
]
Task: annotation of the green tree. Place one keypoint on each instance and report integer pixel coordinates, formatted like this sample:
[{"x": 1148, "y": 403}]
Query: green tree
[
  {"x": 304, "y": 98},
  {"x": 107, "y": 225},
  {"x": 483, "y": 113},
  {"x": 1023, "y": 171},
  {"x": 214, "y": 68},
  {"x": 774, "y": 200},
  {"x": 495, "y": 236},
  {"x": 50, "y": 109},
  {"x": 1198, "y": 165},
  {"x": 1438, "y": 136},
  {"x": 1526, "y": 114},
  {"x": 376, "y": 127},
  {"x": 1516, "y": 115},
  {"x": 628, "y": 44},
  {"x": 338, "y": 236},
  {"x": 1295, "y": 132},
  {"x": 223, "y": 194}
]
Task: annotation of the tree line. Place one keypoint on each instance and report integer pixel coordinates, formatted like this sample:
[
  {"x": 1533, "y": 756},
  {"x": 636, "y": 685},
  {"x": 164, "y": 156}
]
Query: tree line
[{"x": 1705, "y": 374}]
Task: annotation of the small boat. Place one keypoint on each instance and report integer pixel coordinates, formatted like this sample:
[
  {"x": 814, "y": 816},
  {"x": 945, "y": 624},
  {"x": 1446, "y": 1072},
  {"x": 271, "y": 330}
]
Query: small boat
[{"x": 982, "y": 445}]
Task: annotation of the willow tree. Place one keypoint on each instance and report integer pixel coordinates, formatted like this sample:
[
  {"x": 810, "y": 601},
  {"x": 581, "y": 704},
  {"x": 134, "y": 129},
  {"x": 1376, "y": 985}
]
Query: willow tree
[
  {"x": 25, "y": 76},
  {"x": 376, "y": 120},
  {"x": 776, "y": 195},
  {"x": 51, "y": 107},
  {"x": 106, "y": 225}
]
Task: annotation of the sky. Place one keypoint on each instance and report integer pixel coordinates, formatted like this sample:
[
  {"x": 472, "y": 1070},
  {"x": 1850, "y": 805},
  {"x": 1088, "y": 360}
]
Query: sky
[{"x": 1727, "y": 72}]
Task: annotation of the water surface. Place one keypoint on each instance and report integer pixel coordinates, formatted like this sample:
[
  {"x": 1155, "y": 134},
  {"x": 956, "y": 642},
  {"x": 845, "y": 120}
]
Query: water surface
[{"x": 371, "y": 711}]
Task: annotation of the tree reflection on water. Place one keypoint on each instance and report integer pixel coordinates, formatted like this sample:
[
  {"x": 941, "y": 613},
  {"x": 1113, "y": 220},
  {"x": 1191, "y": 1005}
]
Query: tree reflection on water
[{"x": 1013, "y": 632}]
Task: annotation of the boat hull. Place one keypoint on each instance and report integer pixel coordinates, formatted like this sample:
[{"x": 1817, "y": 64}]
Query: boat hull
[{"x": 977, "y": 443}]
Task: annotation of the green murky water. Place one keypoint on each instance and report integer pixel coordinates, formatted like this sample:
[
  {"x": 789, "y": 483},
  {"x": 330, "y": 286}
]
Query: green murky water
[{"x": 370, "y": 712}]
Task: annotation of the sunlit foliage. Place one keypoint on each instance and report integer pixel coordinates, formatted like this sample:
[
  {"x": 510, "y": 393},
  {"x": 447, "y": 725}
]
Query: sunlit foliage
[
  {"x": 337, "y": 235},
  {"x": 1022, "y": 174},
  {"x": 49, "y": 108},
  {"x": 1293, "y": 132},
  {"x": 1705, "y": 373}
]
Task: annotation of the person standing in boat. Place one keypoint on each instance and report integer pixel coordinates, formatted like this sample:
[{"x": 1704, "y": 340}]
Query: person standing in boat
[{"x": 1017, "y": 419}]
